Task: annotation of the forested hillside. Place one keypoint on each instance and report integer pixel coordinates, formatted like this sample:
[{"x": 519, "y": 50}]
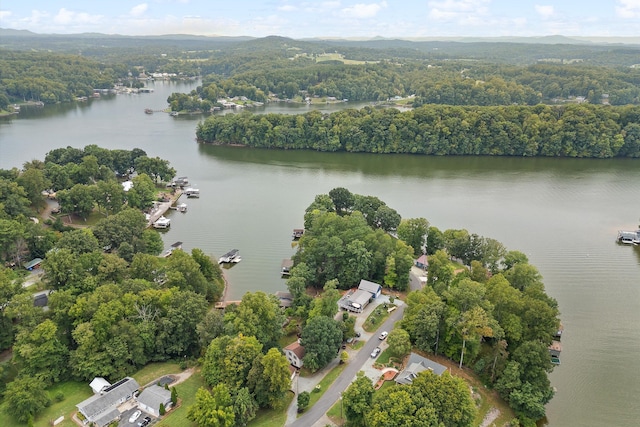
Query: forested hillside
[{"x": 566, "y": 131}]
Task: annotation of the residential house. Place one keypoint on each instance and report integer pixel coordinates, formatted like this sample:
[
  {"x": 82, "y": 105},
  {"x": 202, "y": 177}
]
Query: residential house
[
  {"x": 98, "y": 384},
  {"x": 422, "y": 262},
  {"x": 358, "y": 300},
  {"x": 371, "y": 287},
  {"x": 152, "y": 397},
  {"x": 34, "y": 264},
  {"x": 294, "y": 353},
  {"x": 285, "y": 299},
  {"x": 417, "y": 364},
  {"x": 101, "y": 409}
]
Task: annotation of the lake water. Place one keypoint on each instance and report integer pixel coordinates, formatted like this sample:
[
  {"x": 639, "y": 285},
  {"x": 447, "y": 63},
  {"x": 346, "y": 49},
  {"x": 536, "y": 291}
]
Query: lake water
[{"x": 563, "y": 213}]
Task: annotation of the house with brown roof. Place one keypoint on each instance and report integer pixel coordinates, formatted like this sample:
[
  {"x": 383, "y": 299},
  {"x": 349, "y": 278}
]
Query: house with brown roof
[{"x": 294, "y": 353}]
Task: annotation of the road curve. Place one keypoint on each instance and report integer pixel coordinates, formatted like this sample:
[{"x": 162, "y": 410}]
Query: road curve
[{"x": 348, "y": 375}]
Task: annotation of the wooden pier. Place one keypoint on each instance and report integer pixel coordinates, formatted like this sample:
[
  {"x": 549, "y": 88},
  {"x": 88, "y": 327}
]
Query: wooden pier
[{"x": 161, "y": 208}]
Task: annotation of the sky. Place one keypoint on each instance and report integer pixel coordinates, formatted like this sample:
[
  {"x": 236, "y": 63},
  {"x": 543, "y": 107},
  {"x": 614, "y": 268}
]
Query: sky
[{"x": 331, "y": 18}]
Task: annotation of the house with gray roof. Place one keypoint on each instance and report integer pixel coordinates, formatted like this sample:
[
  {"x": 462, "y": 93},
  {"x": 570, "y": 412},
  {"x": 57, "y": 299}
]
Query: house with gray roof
[
  {"x": 370, "y": 287},
  {"x": 357, "y": 300},
  {"x": 417, "y": 364},
  {"x": 152, "y": 397},
  {"x": 102, "y": 408}
]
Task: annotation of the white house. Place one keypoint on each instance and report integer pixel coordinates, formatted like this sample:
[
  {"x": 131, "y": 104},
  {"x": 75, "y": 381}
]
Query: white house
[
  {"x": 98, "y": 384},
  {"x": 294, "y": 353},
  {"x": 102, "y": 408},
  {"x": 152, "y": 397}
]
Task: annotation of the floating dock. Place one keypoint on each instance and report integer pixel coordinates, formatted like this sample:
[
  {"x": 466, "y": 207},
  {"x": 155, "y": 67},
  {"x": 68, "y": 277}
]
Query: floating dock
[{"x": 233, "y": 256}]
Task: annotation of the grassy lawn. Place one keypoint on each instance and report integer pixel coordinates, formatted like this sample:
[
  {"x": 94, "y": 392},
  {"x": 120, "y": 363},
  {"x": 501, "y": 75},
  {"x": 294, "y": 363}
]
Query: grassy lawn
[
  {"x": 272, "y": 417},
  {"x": 74, "y": 393},
  {"x": 187, "y": 397},
  {"x": 336, "y": 414},
  {"x": 325, "y": 383},
  {"x": 384, "y": 357},
  {"x": 337, "y": 57},
  {"x": 154, "y": 371},
  {"x": 377, "y": 316}
]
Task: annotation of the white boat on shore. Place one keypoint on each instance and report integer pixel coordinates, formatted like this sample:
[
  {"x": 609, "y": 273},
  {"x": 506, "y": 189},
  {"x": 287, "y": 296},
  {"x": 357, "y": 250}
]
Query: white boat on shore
[{"x": 162, "y": 223}]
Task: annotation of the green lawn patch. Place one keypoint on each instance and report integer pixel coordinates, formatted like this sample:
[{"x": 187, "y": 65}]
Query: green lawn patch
[
  {"x": 377, "y": 317},
  {"x": 336, "y": 413},
  {"x": 384, "y": 357},
  {"x": 325, "y": 383},
  {"x": 273, "y": 417},
  {"x": 186, "y": 397},
  {"x": 74, "y": 392},
  {"x": 154, "y": 371}
]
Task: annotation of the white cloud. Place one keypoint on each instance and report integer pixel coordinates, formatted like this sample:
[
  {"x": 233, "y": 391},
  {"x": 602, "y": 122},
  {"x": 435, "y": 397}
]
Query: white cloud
[
  {"x": 69, "y": 18},
  {"x": 5, "y": 14},
  {"x": 546, "y": 11},
  {"x": 457, "y": 9},
  {"x": 362, "y": 10},
  {"x": 139, "y": 9},
  {"x": 330, "y": 4},
  {"x": 287, "y": 8},
  {"x": 628, "y": 8}
]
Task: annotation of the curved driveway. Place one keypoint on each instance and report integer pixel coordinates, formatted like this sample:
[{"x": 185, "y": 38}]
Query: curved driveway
[{"x": 348, "y": 375}]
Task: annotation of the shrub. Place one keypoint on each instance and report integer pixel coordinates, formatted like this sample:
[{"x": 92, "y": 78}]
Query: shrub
[{"x": 303, "y": 401}]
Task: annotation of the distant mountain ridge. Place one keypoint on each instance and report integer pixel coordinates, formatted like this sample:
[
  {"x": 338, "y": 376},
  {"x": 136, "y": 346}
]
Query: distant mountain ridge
[{"x": 551, "y": 39}]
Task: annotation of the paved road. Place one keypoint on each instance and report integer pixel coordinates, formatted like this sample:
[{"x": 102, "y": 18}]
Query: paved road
[{"x": 332, "y": 395}]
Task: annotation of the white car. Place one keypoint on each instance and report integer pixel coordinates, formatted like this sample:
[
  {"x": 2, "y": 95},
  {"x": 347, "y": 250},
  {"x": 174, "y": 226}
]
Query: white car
[
  {"x": 383, "y": 335},
  {"x": 376, "y": 351},
  {"x": 134, "y": 416}
]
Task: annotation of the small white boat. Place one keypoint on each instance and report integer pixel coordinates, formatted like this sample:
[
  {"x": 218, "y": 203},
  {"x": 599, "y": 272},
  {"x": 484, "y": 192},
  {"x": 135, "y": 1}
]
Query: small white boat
[
  {"x": 629, "y": 237},
  {"x": 182, "y": 207},
  {"x": 192, "y": 192},
  {"x": 162, "y": 223},
  {"x": 233, "y": 256}
]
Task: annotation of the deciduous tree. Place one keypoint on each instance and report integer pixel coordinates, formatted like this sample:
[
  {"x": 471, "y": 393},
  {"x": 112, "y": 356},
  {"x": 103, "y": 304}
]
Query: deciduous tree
[
  {"x": 321, "y": 338},
  {"x": 25, "y": 397}
]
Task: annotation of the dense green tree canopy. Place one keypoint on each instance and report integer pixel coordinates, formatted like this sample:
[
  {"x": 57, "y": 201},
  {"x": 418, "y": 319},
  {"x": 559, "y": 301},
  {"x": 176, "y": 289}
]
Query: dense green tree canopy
[
  {"x": 321, "y": 338},
  {"x": 551, "y": 131}
]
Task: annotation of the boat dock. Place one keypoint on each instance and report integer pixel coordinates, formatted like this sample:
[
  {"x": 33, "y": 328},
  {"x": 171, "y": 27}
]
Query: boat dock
[
  {"x": 628, "y": 237},
  {"x": 160, "y": 208},
  {"x": 233, "y": 256},
  {"x": 285, "y": 268}
]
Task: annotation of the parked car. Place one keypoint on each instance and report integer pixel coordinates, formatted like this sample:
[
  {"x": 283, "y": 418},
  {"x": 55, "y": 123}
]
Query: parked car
[
  {"x": 383, "y": 335},
  {"x": 134, "y": 416},
  {"x": 358, "y": 334},
  {"x": 376, "y": 351}
]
